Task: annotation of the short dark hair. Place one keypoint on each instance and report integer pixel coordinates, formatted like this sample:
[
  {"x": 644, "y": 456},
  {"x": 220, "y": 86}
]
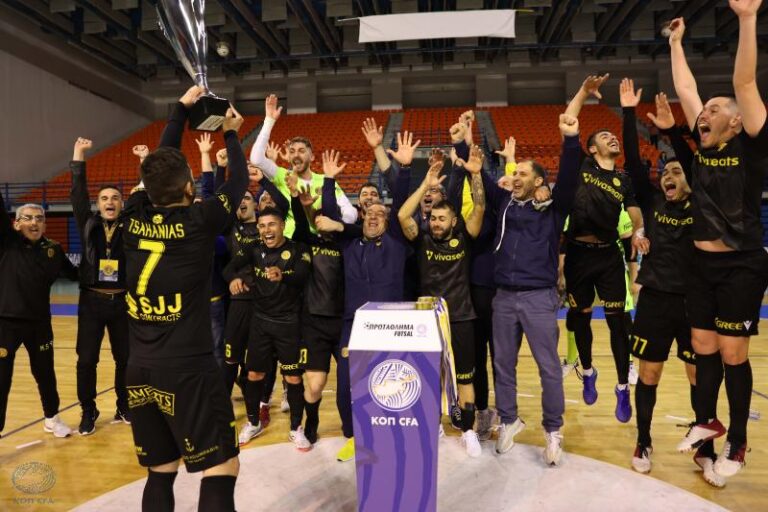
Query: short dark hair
[
  {"x": 109, "y": 186},
  {"x": 368, "y": 184},
  {"x": 722, "y": 94},
  {"x": 302, "y": 140},
  {"x": 593, "y": 135},
  {"x": 165, "y": 173},
  {"x": 444, "y": 205},
  {"x": 539, "y": 170},
  {"x": 275, "y": 212},
  {"x": 669, "y": 160}
]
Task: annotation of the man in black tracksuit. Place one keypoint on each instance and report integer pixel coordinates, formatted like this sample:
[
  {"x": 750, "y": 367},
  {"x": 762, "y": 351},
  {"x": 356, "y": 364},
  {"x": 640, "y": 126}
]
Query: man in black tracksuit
[
  {"x": 29, "y": 264},
  {"x": 102, "y": 289}
]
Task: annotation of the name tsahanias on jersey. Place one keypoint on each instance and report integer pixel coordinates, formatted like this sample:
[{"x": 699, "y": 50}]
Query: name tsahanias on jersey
[{"x": 156, "y": 231}]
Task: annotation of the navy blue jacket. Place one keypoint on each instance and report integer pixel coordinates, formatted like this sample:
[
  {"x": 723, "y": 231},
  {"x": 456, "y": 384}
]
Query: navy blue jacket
[
  {"x": 373, "y": 269},
  {"x": 527, "y": 239}
]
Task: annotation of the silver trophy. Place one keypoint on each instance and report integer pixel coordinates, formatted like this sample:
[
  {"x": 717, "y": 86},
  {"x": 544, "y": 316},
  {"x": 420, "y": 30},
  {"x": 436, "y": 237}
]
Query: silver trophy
[{"x": 183, "y": 24}]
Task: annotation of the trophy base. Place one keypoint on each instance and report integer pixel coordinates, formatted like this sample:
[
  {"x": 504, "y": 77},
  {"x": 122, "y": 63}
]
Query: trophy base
[{"x": 208, "y": 113}]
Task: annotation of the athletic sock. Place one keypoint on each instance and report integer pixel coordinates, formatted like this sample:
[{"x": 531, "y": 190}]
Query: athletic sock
[
  {"x": 296, "y": 403},
  {"x": 588, "y": 372},
  {"x": 217, "y": 494},
  {"x": 313, "y": 419},
  {"x": 578, "y": 322},
  {"x": 619, "y": 345},
  {"x": 738, "y": 386},
  {"x": 158, "y": 492},
  {"x": 709, "y": 376},
  {"x": 467, "y": 417},
  {"x": 645, "y": 401},
  {"x": 573, "y": 352},
  {"x": 693, "y": 398},
  {"x": 230, "y": 376},
  {"x": 252, "y": 390}
]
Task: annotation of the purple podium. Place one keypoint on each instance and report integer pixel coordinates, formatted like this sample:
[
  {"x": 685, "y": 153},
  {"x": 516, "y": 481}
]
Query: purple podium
[{"x": 394, "y": 361}]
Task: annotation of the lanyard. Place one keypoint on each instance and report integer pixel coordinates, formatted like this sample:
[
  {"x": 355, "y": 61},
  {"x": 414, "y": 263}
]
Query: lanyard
[{"x": 108, "y": 234}]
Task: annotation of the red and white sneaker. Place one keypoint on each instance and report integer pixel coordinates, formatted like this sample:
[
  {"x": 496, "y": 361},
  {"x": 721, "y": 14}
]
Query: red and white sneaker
[
  {"x": 707, "y": 465},
  {"x": 264, "y": 415},
  {"x": 699, "y": 434},
  {"x": 299, "y": 439},
  {"x": 641, "y": 460},
  {"x": 731, "y": 459}
]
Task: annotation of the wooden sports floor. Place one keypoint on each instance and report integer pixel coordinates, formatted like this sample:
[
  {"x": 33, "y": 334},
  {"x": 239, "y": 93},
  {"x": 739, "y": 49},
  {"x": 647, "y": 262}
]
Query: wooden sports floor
[{"x": 86, "y": 467}]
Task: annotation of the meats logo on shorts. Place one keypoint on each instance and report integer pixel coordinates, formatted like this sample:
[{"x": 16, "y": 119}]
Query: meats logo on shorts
[{"x": 395, "y": 385}]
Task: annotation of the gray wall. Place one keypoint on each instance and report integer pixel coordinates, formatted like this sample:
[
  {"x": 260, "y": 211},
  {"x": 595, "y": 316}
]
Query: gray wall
[{"x": 42, "y": 115}]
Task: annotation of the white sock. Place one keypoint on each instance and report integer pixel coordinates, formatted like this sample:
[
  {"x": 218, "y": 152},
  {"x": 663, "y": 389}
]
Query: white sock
[
  {"x": 262, "y": 404},
  {"x": 622, "y": 387},
  {"x": 588, "y": 372}
]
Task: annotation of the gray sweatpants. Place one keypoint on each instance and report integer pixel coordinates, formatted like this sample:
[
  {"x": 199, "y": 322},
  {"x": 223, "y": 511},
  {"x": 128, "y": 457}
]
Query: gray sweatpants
[{"x": 534, "y": 313}]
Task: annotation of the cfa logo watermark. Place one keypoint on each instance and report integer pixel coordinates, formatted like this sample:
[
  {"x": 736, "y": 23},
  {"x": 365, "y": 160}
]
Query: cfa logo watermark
[
  {"x": 395, "y": 385},
  {"x": 33, "y": 478}
]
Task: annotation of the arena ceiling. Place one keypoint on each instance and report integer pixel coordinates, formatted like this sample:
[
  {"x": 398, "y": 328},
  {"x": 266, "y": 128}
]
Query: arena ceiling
[{"x": 317, "y": 36}]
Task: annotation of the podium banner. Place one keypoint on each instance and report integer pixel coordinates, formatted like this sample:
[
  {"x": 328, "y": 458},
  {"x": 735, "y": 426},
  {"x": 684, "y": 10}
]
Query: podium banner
[{"x": 395, "y": 360}]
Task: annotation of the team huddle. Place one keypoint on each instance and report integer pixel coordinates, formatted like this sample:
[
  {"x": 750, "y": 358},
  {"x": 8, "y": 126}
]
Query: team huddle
[{"x": 262, "y": 277}]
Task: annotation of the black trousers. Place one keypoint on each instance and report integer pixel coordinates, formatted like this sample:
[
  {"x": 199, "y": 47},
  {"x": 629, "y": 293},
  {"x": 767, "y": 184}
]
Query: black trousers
[
  {"x": 482, "y": 300},
  {"x": 37, "y": 338},
  {"x": 96, "y": 312}
]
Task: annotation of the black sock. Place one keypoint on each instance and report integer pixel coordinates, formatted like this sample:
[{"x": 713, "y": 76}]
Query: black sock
[
  {"x": 252, "y": 390},
  {"x": 578, "y": 322},
  {"x": 230, "y": 376},
  {"x": 296, "y": 403},
  {"x": 645, "y": 401},
  {"x": 693, "y": 398},
  {"x": 217, "y": 494},
  {"x": 619, "y": 345},
  {"x": 738, "y": 386},
  {"x": 467, "y": 417},
  {"x": 158, "y": 492},
  {"x": 709, "y": 376},
  {"x": 312, "y": 421}
]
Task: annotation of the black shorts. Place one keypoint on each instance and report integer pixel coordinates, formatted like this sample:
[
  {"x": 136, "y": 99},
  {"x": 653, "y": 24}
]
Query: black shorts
[
  {"x": 725, "y": 291},
  {"x": 320, "y": 338},
  {"x": 463, "y": 347},
  {"x": 181, "y": 415},
  {"x": 589, "y": 268},
  {"x": 237, "y": 329},
  {"x": 660, "y": 318},
  {"x": 270, "y": 338}
]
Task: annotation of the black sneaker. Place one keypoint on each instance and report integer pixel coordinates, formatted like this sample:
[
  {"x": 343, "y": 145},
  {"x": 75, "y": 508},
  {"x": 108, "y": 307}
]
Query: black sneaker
[
  {"x": 456, "y": 417},
  {"x": 88, "y": 422},
  {"x": 122, "y": 415}
]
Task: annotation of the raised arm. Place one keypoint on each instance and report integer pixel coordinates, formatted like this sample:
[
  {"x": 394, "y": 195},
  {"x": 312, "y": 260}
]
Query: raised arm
[
  {"x": 259, "y": 149},
  {"x": 174, "y": 130},
  {"x": 665, "y": 122},
  {"x": 406, "y": 212},
  {"x": 636, "y": 169},
  {"x": 281, "y": 202},
  {"x": 403, "y": 156},
  {"x": 685, "y": 83},
  {"x": 474, "y": 222},
  {"x": 751, "y": 106},
  {"x": 508, "y": 153},
  {"x": 205, "y": 145},
  {"x": 374, "y": 136},
  {"x": 567, "y": 178},
  {"x": 78, "y": 195},
  {"x": 232, "y": 191},
  {"x": 301, "y": 232},
  {"x": 590, "y": 87}
]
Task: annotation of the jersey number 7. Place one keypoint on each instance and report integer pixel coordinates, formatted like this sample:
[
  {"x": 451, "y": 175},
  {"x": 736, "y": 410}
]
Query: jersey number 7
[{"x": 156, "y": 250}]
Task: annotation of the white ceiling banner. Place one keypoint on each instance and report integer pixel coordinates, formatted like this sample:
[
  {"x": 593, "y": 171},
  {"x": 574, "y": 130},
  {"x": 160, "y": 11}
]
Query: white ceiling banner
[{"x": 438, "y": 25}]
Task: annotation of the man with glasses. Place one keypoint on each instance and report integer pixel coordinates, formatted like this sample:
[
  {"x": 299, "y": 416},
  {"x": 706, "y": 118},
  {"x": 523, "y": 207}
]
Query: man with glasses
[{"x": 30, "y": 263}]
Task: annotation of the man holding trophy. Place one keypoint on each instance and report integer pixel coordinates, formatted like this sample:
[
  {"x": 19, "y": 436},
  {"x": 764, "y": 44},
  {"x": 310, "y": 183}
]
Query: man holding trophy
[{"x": 176, "y": 395}]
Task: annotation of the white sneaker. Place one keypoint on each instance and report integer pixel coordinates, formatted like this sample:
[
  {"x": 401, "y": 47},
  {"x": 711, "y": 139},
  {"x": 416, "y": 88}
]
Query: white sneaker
[
  {"x": 731, "y": 460},
  {"x": 568, "y": 367},
  {"x": 485, "y": 419},
  {"x": 707, "y": 466},
  {"x": 553, "y": 452},
  {"x": 633, "y": 376},
  {"x": 507, "y": 433},
  {"x": 641, "y": 460},
  {"x": 248, "y": 432},
  {"x": 299, "y": 439},
  {"x": 284, "y": 406},
  {"x": 471, "y": 443},
  {"x": 57, "y": 427}
]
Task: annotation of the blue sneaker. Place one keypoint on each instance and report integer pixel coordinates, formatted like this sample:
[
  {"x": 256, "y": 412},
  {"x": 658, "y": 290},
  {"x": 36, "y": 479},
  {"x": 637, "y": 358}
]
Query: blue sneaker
[
  {"x": 590, "y": 391},
  {"x": 623, "y": 405}
]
